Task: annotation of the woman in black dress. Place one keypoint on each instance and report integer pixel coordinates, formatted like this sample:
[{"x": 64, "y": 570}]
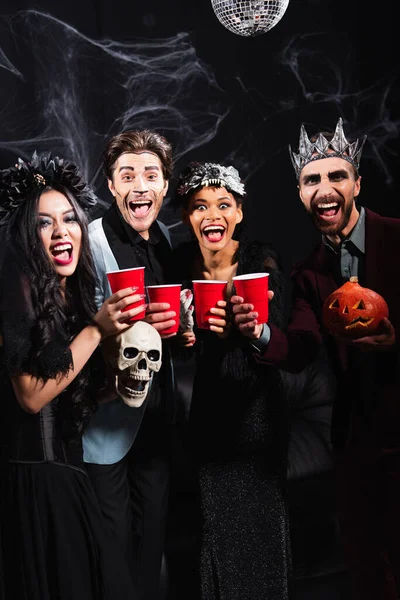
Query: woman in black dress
[
  {"x": 238, "y": 423},
  {"x": 53, "y": 541}
]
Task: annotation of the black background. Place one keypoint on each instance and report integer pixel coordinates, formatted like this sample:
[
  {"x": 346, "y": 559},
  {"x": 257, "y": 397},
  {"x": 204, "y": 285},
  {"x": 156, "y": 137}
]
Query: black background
[{"x": 74, "y": 73}]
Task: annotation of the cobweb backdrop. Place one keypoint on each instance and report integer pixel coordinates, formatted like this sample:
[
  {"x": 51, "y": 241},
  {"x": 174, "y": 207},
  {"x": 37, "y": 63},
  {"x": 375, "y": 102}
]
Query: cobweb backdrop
[
  {"x": 249, "y": 17},
  {"x": 63, "y": 91}
]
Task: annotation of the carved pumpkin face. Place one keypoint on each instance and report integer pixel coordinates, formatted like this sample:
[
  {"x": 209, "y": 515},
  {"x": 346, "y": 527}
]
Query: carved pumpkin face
[{"x": 354, "y": 311}]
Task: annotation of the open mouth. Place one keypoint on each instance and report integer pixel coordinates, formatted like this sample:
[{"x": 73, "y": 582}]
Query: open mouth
[
  {"x": 214, "y": 233},
  {"x": 62, "y": 253},
  {"x": 359, "y": 322},
  {"x": 327, "y": 210},
  {"x": 133, "y": 387},
  {"x": 140, "y": 209}
]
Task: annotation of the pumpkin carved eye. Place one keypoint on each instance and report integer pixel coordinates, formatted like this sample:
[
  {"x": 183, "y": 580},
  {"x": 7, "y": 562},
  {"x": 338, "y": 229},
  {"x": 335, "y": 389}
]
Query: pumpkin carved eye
[
  {"x": 334, "y": 304},
  {"x": 354, "y": 311},
  {"x": 359, "y": 305}
]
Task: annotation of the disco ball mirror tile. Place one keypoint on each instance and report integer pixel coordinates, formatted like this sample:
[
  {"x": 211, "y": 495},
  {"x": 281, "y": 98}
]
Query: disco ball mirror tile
[{"x": 249, "y": 17}]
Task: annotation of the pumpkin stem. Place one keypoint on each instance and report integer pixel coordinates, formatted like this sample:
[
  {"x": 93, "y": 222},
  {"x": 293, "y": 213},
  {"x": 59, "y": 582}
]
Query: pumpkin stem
[{"x": 353, "y": 279}]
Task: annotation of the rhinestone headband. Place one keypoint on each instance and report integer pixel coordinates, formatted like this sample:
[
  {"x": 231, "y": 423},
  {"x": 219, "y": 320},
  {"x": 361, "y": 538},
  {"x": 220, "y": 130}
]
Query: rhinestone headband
[{"x": 338, "y": 147}]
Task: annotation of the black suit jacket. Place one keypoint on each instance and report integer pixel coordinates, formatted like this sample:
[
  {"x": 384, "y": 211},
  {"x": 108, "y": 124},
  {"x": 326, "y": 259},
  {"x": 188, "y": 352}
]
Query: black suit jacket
[{"x": 369, "y": 383}]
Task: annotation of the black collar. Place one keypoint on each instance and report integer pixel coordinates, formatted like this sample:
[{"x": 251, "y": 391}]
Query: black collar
[
  {"x": 124, "y": 241},
  {"x": 133, "y": 236}
]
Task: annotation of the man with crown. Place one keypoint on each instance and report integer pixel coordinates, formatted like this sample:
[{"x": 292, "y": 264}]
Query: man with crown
[{"x": 366, "y": 416}]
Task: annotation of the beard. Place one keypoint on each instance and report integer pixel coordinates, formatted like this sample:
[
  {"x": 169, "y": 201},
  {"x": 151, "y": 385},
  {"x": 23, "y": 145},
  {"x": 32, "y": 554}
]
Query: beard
[{"x": 336, "y": 228}]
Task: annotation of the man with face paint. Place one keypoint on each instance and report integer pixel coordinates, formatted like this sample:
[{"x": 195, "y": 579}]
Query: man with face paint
[
  {"x": 366, "y": 415},
  {"x": 126, "y": 449}
]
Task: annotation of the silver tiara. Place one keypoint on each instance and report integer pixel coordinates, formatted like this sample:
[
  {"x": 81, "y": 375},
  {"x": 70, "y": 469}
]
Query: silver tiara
[{"x": 338, "y": 146}]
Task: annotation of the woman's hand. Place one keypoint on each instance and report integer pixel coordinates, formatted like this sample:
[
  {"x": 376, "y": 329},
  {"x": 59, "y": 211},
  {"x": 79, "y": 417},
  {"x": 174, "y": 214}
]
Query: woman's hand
[
  {"x": 110, "y": 319},
  {"x": 32, "y": 394},
  {"x": 220, "y": 325}
]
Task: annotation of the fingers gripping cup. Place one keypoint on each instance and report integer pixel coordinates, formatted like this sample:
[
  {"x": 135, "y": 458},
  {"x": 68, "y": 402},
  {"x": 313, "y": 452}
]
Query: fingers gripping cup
[
  {"x": 170, "y": 293},
  {"x": 207, "y": 292},
  {"x": 253, "y": 288},
  {"x": 125, "y": 278}
]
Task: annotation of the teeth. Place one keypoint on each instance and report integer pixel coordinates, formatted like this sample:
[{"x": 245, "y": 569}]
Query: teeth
[
  {"x": 140, "y": 387},
  {"x": 330, "y": 205},
  {"x": 208, "y": 182},
  {"x": 62, "y": 247},
  {"x": 213, "y": 228}
]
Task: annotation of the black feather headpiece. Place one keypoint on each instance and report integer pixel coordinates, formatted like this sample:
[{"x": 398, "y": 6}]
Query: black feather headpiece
[{"x": 20, "y": 181}]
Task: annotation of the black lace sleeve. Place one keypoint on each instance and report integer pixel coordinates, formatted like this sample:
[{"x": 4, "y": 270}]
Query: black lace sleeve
[
  {"x": 55, "y": 360},
  {"x": 18, "y": 331}
]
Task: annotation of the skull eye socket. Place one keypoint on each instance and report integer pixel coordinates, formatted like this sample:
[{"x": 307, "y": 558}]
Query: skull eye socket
[
  {"x": 130, "y": 352},
  {"x": 154, "y": 355}
]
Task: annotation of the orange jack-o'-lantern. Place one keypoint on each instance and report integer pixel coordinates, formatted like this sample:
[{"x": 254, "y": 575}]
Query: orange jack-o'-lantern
[{"x": 354, "y": 311}]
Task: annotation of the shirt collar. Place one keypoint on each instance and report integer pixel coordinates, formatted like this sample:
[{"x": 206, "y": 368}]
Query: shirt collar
[
  {"x": 135, "y": 237},
  {"x": 356, "y": 237}
]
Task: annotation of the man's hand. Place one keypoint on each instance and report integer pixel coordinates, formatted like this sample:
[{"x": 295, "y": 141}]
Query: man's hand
[
  {"x": 245, "y": 318},
  {"x": 382, "y": 341},
  {"x": 161, "y": 317}
]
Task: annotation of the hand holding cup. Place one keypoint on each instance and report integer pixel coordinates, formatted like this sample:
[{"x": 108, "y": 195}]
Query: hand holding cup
[
  {"x": 163, "y": 309},
  {"x": 250, "y": 303},
  {"x": 133, "y": 278},
  {"x": 210, "y": 304},
  {"x": 118, "y": 311}
]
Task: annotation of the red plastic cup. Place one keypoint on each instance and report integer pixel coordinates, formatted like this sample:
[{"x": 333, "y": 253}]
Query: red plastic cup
[
  {"x": 119, "y": 280},
  {"x": 207, "y": 292},
  {"x": 170, "y": 293},
  {"x": 253, "y": 287}
]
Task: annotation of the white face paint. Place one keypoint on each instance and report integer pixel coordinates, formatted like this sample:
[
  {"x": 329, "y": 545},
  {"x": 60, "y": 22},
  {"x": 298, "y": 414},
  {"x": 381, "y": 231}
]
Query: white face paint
[
  {"x": 139, "y": 188},
  {"x": 135, "y": 355}
]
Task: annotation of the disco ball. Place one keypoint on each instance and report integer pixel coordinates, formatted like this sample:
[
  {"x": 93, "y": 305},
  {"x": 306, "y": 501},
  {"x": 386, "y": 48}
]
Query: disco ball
[{"x": 249, "y": 17}]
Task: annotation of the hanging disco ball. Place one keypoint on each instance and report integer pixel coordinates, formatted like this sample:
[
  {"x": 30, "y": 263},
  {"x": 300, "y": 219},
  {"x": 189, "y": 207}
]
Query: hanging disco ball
[{"x": 249, "y": 17}]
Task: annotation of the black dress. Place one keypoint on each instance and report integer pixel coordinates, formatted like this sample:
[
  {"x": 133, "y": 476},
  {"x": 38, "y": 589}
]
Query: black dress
[
  {"x": 238, "y": 435},
  {"x": 54, "y": 544}
]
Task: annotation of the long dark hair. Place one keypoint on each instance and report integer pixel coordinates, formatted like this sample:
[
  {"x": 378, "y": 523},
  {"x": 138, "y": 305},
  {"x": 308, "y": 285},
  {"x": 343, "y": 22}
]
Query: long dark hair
[{"x": 56, "y": 313}]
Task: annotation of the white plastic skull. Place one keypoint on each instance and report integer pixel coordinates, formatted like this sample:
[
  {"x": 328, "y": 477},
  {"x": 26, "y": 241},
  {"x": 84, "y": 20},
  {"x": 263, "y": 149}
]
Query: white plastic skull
[{"x": 135, "y": 355}]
